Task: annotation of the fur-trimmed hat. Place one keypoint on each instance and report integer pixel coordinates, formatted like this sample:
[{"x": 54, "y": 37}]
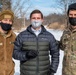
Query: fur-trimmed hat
[
  {"x": 7, "y": 14},
  {"x": 72, "y": 7}
]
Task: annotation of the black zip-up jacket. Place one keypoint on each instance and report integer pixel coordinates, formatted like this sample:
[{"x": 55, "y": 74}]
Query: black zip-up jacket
[{"x": 43, "y": 43}]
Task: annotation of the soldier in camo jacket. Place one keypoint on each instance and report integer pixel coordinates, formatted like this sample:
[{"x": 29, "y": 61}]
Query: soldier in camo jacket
[{"x": 68, "y": 43}]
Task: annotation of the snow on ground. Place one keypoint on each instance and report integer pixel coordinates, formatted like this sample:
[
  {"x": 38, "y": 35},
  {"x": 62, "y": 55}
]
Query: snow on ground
[{"x": 57, "y": 34}]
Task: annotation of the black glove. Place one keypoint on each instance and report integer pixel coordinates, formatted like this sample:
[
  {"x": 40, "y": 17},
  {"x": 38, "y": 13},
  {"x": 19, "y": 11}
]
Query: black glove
[
  {"x": 50, "y": 72},
  {"x": 31, "y": 54}
]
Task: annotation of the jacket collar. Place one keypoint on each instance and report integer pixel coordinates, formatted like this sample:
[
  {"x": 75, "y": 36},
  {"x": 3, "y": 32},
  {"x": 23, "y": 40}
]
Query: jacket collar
[
  {"x": 7, "y": 34},
  {"x": 72, "y": 30},
  {"x": 42, "y": 29}
]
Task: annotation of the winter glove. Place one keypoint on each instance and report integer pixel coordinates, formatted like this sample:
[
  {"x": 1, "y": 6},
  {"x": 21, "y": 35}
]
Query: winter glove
[
  {"x": 31, "y": 54},
  {"x": 50, "y": 72}
]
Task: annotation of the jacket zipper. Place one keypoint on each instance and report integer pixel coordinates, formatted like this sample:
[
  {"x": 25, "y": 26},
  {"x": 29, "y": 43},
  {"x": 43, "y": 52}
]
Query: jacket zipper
[
  {"x": 37, "y": 71},
  {"x": 37, "y": 46}
]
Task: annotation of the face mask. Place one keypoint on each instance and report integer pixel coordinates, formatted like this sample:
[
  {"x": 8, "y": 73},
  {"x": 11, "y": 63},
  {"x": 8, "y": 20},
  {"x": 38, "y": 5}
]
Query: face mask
[
  {"x": 5, "y": 27},
  {"x": 72, "y": 21},
  {"x": 36, "y": 23}
]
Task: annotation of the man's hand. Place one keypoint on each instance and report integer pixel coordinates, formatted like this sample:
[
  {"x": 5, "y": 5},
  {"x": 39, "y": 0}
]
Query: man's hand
[
  {"x": 50, "y": 73},
  {"x": 31, "y": 54}
]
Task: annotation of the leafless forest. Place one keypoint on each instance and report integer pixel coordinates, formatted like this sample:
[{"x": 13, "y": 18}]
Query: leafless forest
[{"x": 54, "y": 20}]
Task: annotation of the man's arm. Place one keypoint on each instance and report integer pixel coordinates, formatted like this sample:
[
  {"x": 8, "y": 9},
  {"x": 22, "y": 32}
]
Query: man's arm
[
  {"x": 54, "y": 52},
  {"x": 18, "y": 53}
]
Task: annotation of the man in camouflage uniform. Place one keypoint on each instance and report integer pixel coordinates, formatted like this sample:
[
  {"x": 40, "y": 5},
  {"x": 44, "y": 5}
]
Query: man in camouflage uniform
[{"x": 68, "y": 43}]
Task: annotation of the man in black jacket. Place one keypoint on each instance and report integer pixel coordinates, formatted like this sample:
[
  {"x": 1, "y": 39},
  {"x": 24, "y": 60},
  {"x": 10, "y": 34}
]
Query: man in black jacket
[{"x": 32, "y": 48}]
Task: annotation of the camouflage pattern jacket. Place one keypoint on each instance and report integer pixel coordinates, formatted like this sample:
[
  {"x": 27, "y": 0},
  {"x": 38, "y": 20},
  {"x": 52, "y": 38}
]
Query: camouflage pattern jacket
[{"x": 68, "y": 44}]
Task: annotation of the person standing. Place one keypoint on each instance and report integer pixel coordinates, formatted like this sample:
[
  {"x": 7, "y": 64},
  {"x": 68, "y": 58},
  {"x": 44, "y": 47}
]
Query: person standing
[
  {"x": 32, "y": 48},
  {"x": 7, "y": 38},
  {"x": 68, "y": 43}
]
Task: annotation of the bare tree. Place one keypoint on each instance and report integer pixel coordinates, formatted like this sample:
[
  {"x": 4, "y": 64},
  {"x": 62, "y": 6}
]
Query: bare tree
[
  {"x": 63, "y": 5},
  {"x": 6, "y": 4},
  {"x": 20, "y": 7}
]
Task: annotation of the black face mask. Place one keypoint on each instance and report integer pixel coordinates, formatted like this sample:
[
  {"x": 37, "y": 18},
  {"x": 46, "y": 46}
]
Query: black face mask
[
  {"x": 72, "y": 21},
  {"x": 5, "y": 26}
]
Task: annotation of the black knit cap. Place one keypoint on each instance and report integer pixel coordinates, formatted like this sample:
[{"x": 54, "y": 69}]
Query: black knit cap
[{"x": 71, "y": 7}]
